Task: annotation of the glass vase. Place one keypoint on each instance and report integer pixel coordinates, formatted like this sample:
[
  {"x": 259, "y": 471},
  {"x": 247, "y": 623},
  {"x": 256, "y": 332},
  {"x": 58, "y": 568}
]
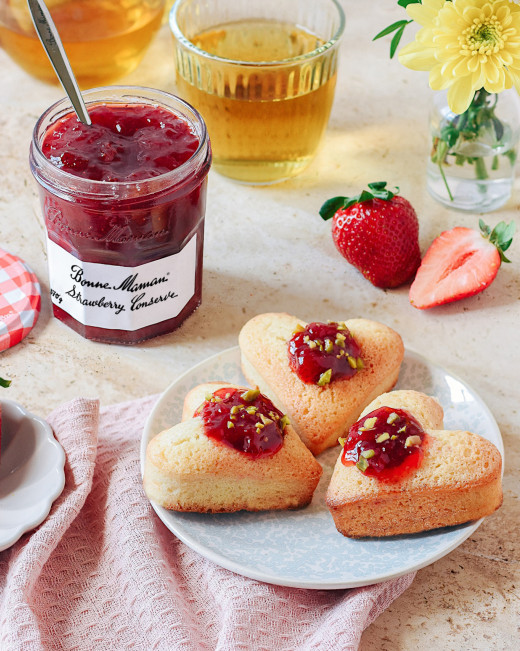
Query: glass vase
[{"x": 471, "y": 166}]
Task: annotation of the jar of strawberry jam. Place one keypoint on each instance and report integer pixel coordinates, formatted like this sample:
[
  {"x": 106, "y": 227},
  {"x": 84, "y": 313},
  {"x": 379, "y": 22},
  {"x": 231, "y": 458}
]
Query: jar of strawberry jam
[{"x": 123, "y": 202}]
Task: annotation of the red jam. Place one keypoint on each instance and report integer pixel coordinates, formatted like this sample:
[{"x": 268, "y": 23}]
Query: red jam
[
  {"x": 124, "y": 143},
  {"x": 127, "y": 191},
  {"x": 244, "y": 420},
  {"x": 323, "y": 352},
  {"x": 386, "y": 443}
]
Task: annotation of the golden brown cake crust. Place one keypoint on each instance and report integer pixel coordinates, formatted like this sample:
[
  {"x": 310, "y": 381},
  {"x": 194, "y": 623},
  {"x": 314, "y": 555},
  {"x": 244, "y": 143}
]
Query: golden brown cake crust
[
  {"x": 319, "y": 414},
  {"x": 185, "y": 470},
  {"x": 459, "y": 480}
]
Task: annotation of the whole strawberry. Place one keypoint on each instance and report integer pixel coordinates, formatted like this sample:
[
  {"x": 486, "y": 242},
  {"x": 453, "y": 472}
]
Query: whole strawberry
[
  {"x": 377, "y": 231},
  {"x": 460, "y": 262}
]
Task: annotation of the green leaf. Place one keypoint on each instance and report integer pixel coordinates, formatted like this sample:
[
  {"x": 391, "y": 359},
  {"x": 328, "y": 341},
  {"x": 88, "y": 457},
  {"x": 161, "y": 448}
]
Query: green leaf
[
  {"x": 364, "y": 196},
  {"x": 377, "y": 190},
  {"x": 486, "y": 231},
  {"x": 377, "y": 185},
  {"x": 331, "y": 206},
  {"x": 501, "y": 236},
  {"x": 400, "y": 24},
  {"x": 4, "y": 383},
  {"x": 405, "y": 3},
  {"x": 450, "y": 135},
  {"x": 380, "y": 191},
  {"x": 396, "y": 40},
  {"x": 499, "y": 127}
]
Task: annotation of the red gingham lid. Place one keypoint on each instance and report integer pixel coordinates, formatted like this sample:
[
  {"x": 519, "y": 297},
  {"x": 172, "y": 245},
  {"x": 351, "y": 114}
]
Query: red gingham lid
[{"x": 20, "y": 300}]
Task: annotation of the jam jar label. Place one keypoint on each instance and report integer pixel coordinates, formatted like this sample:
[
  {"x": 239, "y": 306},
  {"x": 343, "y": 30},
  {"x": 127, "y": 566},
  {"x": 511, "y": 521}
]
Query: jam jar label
[{"x": 122, "y": 298}]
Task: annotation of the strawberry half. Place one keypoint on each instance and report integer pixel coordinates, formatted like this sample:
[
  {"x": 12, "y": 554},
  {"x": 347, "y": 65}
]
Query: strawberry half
[
  {"x": 460, "y": 263},
  {"x": 377, "y": 232}
]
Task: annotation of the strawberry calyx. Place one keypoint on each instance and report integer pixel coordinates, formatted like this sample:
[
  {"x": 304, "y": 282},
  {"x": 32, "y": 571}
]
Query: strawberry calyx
[
  {"x": 376, "y": 190},
  {"x": 4, "y": 383},
  {"x": 501, "y": 236}
]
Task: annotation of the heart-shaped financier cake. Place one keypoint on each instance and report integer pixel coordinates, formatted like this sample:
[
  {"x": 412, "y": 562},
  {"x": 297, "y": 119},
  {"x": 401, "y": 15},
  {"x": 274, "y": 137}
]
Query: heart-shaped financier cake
[
  {"x": 321, "y": 375},
  {"x": 233, "y": 451},
  {"x": 400, "y": 472}
]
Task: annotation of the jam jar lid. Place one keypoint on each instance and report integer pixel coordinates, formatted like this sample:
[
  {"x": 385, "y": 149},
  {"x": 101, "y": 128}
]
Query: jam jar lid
[{"x": 20, "y": 300}]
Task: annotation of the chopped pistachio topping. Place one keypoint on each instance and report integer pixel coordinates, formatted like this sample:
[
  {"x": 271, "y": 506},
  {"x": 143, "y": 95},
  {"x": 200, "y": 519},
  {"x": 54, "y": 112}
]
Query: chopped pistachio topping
[
  {"x": 342, "y": 441},
  {"x": 230, "y": 424},
  {"x": 342, "y": 325},
  {"x": 329, "y": 346},
  {"x": 352, "y": 362},
  {"x": 359, "y": 363},
  {"x": 403, "y": 429},
  {"x": 228, "y": 395},
  {"x": 393, "y": 437},
  {"x": 306, "y": 339},
  {"x": 368, "y": 454},
  {"x": 392, "y": 418},
  {"x": 412, "y": 440},
  {"x": 325, "y": 378},
  {"x": 274, "y": 415},
  {"x": 284, "y": 421},
  {"x": 383, "y": 437},
  {"x": 251, "y": 409},
  {"x": 208, "y": 397},
  {"x": 216, "y": 399},
  {"x": 250, "y": 395},
  {"x": 298, "y": 328},
  {"x": 259, "y": 425},
  {"x": 312, "y": 344},
  {"x": 370, "y": 423},
  {"x": 362, "y": 464},
  {"x": 265, "y": 420},
  {"x": 235, "y": 409}
]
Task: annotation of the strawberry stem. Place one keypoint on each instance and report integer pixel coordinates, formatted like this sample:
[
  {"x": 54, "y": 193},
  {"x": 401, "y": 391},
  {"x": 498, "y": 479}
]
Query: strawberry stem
[
  {"x": 501, "y": 236},
  {"x": 376, "y": 190}
]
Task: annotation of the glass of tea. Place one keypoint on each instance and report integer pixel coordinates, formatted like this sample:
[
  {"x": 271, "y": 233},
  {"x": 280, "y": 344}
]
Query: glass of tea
[
  {"x": 262, "y": 73},
  {"x": 103, "y": 39}
]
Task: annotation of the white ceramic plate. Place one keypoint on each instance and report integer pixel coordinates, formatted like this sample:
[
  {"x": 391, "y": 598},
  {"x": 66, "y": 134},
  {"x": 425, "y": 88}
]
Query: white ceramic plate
[
  {"x": 31, "y": 472},
  {"x": 302, "y": 548}
]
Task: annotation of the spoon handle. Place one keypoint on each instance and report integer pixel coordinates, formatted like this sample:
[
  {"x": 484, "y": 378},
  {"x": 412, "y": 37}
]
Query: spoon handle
[{"x": 52, "y": 44}]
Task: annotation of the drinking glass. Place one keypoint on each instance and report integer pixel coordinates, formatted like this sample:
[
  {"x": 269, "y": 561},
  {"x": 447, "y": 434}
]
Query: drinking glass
[{"x": 262, "y": 73}]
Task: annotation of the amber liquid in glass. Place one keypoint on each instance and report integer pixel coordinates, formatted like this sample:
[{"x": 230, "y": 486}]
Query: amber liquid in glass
[
  {"x": 103, "y": 39},
  {"x": 264, "y": 124}
]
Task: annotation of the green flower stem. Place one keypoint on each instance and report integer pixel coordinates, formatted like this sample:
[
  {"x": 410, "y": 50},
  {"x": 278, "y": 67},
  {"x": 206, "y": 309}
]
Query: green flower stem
[
  {"x": 480, "y": 169},
  {"x": 441, "y": 169}
]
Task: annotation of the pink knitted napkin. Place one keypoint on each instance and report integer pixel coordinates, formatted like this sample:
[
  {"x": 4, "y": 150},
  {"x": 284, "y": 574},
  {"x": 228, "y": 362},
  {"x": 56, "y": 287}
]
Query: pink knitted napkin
[{"x": 103, "y": 571}]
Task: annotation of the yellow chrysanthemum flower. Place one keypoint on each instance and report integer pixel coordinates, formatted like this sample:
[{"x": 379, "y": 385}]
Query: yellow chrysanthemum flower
[{"x": 466, "y": 45}]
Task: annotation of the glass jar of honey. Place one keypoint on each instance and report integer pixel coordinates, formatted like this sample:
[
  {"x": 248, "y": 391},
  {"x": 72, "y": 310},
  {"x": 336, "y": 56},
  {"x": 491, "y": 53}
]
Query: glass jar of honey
[{"x": 103, "y": 39}]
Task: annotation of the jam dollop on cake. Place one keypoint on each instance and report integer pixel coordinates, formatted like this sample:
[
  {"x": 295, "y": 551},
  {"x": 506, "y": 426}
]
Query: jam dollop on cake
[
  {"x": 124, "y": 143},
  {"x": 386, "y": 443},
  {"x": 244, "y": 420},
  {"x": 320, "y": 353}
]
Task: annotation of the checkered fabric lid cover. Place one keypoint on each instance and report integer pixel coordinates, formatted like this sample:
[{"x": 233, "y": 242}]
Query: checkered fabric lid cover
[{"x": 20, "y": 300}]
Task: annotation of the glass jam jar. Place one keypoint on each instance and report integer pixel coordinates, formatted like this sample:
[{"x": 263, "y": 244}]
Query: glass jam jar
[{"x": 124, "y": 246}]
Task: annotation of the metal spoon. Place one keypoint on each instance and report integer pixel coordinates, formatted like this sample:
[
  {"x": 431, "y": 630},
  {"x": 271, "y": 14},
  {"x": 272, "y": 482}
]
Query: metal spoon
[{"x": 50, "y": 39}]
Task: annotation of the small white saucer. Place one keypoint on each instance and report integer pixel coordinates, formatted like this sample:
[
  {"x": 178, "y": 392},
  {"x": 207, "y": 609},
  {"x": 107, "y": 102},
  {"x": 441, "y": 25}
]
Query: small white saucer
[{"x": 31, "y": 472}]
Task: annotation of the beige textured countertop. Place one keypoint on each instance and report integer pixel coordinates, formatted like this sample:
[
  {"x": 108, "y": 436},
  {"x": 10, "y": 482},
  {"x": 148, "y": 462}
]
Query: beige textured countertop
[{"x": 267, "y": 250}]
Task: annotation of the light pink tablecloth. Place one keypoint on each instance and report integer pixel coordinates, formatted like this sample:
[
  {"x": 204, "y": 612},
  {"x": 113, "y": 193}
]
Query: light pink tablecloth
[{"x": 103, "y": 572}]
